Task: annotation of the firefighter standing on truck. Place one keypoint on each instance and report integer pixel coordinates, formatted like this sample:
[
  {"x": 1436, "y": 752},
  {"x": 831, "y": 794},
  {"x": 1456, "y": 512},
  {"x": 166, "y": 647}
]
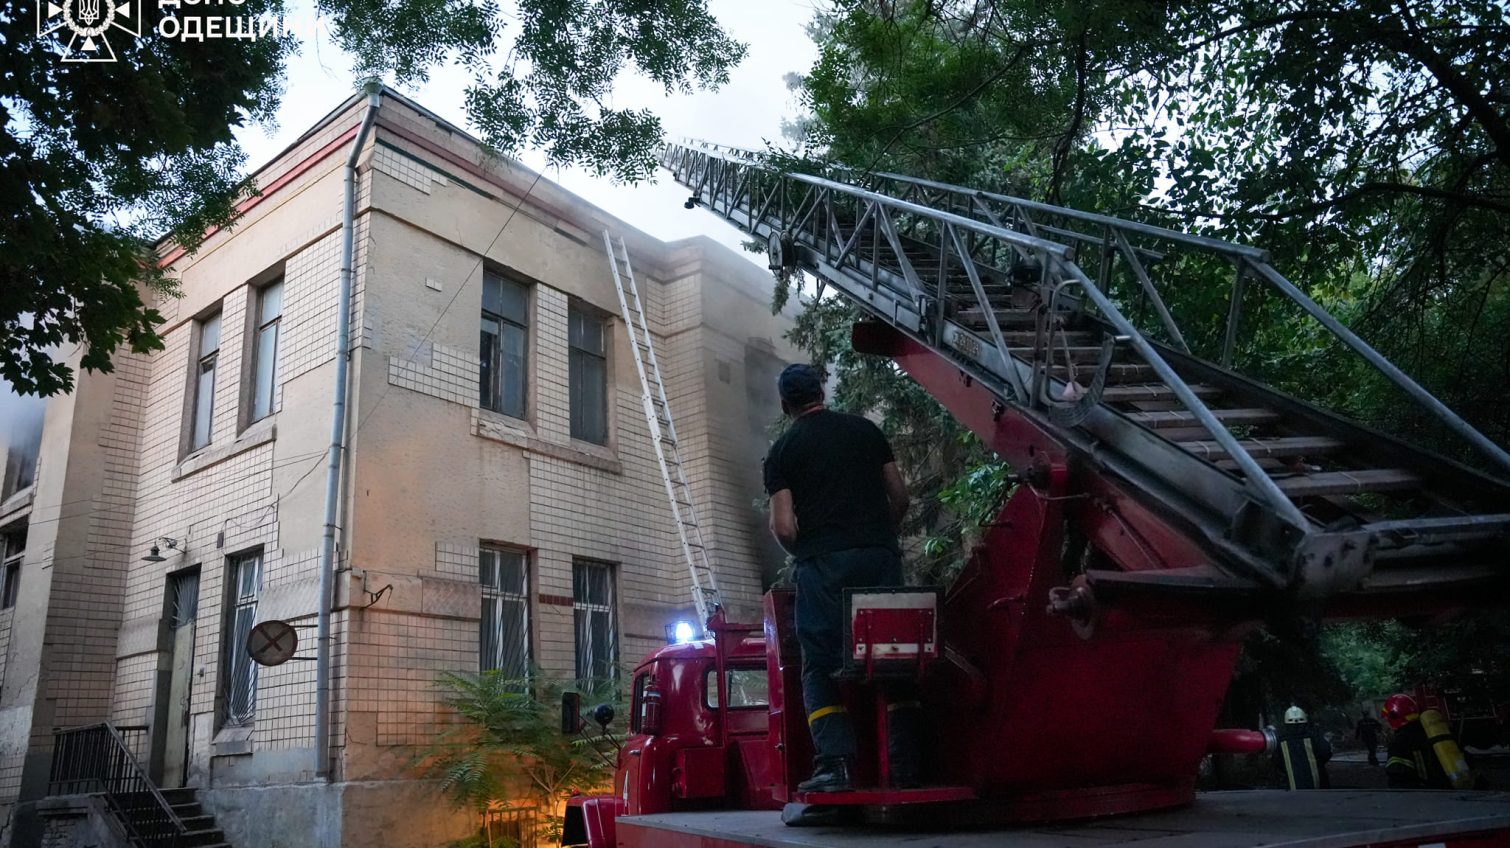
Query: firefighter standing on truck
[
  {"x": 1302, "y": 753},
  {"x": 836, "y": 500}
]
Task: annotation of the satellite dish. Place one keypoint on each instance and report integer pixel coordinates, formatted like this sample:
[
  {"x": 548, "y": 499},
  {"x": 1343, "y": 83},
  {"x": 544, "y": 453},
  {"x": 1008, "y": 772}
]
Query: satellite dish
[{"x": 272, "y": 642}]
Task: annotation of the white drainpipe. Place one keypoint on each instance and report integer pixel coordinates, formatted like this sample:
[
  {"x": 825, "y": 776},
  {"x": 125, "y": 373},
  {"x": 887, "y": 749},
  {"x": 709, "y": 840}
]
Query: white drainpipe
[{"x": 337, "y": 455}]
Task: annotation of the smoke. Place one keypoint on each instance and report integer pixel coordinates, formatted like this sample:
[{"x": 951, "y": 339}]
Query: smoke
[{"x": 21, "y": 432}]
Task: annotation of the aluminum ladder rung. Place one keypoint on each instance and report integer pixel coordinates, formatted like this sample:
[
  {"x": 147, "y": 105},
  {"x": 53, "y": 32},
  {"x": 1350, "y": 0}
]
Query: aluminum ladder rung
[{"x": 705, "y": 596}]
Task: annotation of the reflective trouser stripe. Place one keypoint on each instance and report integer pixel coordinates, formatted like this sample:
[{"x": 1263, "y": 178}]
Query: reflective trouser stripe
[
  {"x": 902, "y": 705},
  {"x": 1315, "y": 769},
  {"x": 1399, "y": 761},
  {"x": 1310, "y": 764},
  {"x": 823, "y": 711}
]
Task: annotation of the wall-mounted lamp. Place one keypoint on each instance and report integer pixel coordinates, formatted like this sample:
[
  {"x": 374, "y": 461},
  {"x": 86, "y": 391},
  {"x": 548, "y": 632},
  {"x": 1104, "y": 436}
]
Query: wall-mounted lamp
[{"x": 155, "y": 554}]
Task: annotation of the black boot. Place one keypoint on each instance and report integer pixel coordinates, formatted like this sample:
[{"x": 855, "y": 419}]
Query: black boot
[{"x": 829, "y": 775}]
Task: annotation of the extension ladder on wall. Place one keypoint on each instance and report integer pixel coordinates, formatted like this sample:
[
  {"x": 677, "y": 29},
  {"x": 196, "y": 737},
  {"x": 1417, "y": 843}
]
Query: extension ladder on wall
[{"x": 663, "y": 433}]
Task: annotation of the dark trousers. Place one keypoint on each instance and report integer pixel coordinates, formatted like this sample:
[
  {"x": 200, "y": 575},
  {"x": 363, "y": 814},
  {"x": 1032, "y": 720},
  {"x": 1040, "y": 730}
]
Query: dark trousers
[
  {"x": 821, "y": 581},
  {"x": 1372, "y": 744}
]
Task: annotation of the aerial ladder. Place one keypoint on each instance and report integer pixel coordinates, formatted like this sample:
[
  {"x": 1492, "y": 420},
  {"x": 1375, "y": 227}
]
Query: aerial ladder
[{"x": 1166, "y": 503}]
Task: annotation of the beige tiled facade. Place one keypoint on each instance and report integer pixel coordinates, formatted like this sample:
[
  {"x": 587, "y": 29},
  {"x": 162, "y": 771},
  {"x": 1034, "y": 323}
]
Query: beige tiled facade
[{"x": 430, "y": 477}]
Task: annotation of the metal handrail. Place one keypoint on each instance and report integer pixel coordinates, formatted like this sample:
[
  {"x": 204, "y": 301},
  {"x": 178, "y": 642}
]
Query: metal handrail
[
  {"x": 1251, "y": 261},
  {"x": 1260, "y": 485},
  {"x": 96, "y": 760}
]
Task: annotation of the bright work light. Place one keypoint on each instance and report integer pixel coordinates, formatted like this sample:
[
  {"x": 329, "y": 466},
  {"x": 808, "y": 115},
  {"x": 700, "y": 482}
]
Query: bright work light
[{"x": 682, "y": 632}]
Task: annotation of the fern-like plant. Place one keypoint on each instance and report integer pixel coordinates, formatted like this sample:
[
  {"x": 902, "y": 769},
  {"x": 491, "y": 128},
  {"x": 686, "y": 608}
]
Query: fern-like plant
[{"x": 505, "y": 746}]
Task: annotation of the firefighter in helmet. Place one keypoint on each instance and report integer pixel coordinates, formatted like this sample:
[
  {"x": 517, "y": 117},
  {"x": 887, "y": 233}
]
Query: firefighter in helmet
[
  {"x": 1302, "y": 753},
  {"x": 1422, "y": 752}
]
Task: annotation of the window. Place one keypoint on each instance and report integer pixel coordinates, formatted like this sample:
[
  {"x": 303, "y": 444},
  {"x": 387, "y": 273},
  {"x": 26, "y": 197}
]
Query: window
[
  {"x": 505, "y": 342},
  {"x": 239, "y": 684},
  {"x": 747, "y": 688},
  {"x": 592, "y": 605},
  {"x": 204, "y": 382},
  {"x": 589, "y": 376},
  {"x": 504, "y": 637},
  {"x": 13, "y": 549},
  {"x": 265, "y": 355},
  {"x": 24, "y": 442},
  {"x": 637, "y": 703}
]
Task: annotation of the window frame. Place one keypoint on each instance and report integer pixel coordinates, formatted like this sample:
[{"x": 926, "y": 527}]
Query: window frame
[
  {"x": 591, "y": 609},
  {"x": 260, "y": 327},
  {"x": 234, "y": 658},
  {"x": 10, "y": 565},
  {"x": 491, "y": 369},
  {"x": 498, "y": 596},
  {"x": 201, "y": 364},
  {"x": 710, "y": 686},
  {"x": 637, "y": 701},
  {"x": 576, "y": 353}
]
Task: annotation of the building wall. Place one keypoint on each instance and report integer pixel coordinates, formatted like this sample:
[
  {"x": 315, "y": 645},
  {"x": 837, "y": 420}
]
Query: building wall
[{"x": 430, "y": 476}]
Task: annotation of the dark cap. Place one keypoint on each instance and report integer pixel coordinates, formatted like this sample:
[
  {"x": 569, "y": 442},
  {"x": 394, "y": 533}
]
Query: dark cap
[{"x": 800, "y": 384}]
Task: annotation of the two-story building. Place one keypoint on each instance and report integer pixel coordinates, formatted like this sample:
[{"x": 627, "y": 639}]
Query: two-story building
[{"x": 500, "y": 507}]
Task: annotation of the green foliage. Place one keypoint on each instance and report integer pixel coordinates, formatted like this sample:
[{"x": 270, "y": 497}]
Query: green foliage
[
  {"x": 506, "y": 745},
  {"x": 98, "y": 161},
  {"x": 1366, "y": 144},
  {"x": 1469, "y": 655}
]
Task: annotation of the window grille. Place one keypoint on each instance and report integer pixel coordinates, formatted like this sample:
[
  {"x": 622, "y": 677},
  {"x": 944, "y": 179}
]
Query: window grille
[
  {"x": 244, "y": 577},
  {"x": 593, "y": 606},
  {"x": 504, "y": 628}
]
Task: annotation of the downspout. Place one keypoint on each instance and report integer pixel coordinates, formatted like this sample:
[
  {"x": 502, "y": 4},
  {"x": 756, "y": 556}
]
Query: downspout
[{"x": 336, "y": 458}]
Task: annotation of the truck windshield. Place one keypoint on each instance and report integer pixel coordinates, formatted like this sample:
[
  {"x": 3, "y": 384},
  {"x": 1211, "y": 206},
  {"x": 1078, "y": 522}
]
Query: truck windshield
[{"x": 747, "y": 688}]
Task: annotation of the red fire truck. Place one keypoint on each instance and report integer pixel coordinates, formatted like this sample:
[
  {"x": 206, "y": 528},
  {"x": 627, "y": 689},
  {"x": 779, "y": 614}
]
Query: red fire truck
[{"x": 1166, "y": 503}]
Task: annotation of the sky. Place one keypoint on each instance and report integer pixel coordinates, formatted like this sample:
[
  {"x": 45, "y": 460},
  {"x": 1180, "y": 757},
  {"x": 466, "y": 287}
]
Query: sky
[{"x": 746, "y": 112}]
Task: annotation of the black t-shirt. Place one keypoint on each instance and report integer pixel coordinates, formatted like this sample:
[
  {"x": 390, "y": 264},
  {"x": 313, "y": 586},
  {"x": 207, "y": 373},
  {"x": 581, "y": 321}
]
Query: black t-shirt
[{"x": 832, "y": 463}]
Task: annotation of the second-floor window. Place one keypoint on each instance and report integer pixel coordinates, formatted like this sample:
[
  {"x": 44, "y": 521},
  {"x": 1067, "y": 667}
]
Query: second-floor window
[
  {"x": 504, "y": 633},
  {"x": 265, "y": 356},
  {"x": 505, "y": 344},
  {"x": 588, "y": 380},
  {"x": 13, "y": 550},
  {"x": 204, "y": 382}
]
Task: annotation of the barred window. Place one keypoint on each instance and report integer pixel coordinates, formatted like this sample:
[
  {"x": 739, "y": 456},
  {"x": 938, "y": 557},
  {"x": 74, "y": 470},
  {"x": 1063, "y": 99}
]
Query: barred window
[
  {"x": 504, "y": 637},
  {"x": 593, "y": 608},
  {"x": 505, "y": 344},
  {"x": 239, "y": 681}
]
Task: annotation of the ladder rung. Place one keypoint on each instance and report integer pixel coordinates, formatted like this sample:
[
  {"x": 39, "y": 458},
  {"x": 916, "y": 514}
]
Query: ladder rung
[
  {"x": 1349, "y": 482},
  {"x": 1132, "y": 392},
  {"x": 1289, "y": 446},
  {"x": 1182, "y": 418}
]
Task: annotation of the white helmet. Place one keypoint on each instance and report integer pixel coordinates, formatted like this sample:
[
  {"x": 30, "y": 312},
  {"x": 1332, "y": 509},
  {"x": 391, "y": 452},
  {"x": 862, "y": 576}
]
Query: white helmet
[{"x": 1295, "y": 715}]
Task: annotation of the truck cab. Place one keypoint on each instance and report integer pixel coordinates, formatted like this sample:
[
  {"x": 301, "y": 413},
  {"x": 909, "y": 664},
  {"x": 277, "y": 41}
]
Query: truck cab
[{"x": 697, "y": 737}]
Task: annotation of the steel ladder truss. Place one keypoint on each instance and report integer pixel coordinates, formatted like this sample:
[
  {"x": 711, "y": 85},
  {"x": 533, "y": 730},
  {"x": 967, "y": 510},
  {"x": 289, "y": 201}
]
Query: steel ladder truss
[
  {"x": 1280, "y": 493},
  {"x": 663, "y": 438}
]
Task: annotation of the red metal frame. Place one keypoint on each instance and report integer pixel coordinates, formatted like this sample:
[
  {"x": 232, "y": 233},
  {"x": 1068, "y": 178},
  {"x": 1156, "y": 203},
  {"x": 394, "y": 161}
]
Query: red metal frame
[{"x": 1060, "y": 694}]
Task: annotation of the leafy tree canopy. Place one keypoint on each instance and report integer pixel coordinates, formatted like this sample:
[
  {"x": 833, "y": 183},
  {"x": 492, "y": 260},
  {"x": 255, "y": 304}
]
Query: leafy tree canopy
[
  {"x": 1365, "y": 143},
  {"x": 99, "y": 160}
]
